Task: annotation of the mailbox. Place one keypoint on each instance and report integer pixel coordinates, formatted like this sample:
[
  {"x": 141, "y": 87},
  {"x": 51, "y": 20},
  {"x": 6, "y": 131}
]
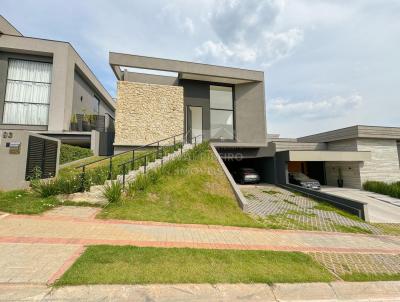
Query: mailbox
[{"x": 15, "y": 148}]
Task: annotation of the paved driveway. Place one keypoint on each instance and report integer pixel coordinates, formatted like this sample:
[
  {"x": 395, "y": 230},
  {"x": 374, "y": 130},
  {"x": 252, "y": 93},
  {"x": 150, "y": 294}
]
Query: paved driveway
[{"x": 381, "y": 208}]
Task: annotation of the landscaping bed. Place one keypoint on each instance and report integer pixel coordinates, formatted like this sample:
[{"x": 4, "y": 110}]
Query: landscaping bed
[{"x": 390, "y": 189}]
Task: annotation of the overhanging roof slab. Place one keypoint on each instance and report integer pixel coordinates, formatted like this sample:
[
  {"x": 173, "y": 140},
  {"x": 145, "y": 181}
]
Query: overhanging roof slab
[
  {"x": 342, "y": 156},
  {"x": 117, "y": 60}
]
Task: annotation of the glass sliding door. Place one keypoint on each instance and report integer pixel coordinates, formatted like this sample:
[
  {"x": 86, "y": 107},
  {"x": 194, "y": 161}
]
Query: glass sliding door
[
  {"x": 27, "y": 93},
  {"x": 221, "y": 113},
  {"x": 195, "y": 123}
]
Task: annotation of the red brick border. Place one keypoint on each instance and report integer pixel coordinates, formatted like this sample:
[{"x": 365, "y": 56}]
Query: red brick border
[
  {"x": 67, "y": 264},
  {"x": 183, "y": 225},
  {"x": 198, "y": 245}
]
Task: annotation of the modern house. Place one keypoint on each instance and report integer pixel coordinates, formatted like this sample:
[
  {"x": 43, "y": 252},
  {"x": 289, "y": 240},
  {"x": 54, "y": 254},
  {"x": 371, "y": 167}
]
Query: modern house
[
  {"x": 227, "y": 106},
  {"x": 383, "y": 144},
  {"x": 220, "y": 103},
  {"x": 46, "y": 87}
]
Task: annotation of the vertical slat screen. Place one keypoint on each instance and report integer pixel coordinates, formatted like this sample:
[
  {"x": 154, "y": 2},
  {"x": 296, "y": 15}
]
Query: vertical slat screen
[{"x": 42, "y": 153}]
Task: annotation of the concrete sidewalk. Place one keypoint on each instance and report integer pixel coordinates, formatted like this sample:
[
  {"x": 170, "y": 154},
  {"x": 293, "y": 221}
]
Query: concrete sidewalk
[
  {"x": 37, "y": 250},
  {"x": 88, "y": 231},
  {"x": 335, "y": 291},
  {"x": 381, "y": 208}
]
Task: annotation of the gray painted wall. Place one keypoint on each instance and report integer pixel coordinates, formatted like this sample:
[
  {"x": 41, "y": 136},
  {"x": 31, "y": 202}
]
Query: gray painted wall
[
  {"x": 83, "y": 98},
  {"x": 250, "y": 116},
  {"x": 249, "y": 108},
  {"x": 13, "y": 166},
  {"x": 197, "y": 93},
  {"x": 287, "y": 145},
  {"x": 65, "y": 61},
  {"x": 269, "y": 170}
]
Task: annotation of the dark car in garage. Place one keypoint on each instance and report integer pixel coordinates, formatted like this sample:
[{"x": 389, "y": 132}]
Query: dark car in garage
[
  {"x": 303, "y": 180},
  {"x": 246, "y": 175}
]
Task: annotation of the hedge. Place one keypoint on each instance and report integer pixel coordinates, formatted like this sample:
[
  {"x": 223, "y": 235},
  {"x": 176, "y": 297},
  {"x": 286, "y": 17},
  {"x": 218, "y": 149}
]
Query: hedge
[
  {"x": 70, "y": 153},
  {"x": 390, "y": 189}
]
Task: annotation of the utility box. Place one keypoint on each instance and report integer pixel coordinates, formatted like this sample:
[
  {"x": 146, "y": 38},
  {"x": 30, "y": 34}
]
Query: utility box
[{"x": 23, "y": 154}]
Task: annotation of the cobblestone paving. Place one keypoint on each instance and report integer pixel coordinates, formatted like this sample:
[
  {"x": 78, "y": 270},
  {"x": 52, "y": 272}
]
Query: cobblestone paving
[
  {"x": 280, "y": 208},
  {"x": 346, "y": 263}
]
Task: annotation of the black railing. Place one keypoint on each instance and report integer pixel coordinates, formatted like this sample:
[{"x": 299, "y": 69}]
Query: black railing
[
  {"x": 155, "y": 144},
  {"x": 154, "y": 155}
]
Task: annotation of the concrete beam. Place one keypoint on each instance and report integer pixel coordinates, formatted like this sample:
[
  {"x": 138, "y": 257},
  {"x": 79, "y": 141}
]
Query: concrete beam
[
  {"x": 135, "y": 61},
  {"x": 348, "y": 156}
]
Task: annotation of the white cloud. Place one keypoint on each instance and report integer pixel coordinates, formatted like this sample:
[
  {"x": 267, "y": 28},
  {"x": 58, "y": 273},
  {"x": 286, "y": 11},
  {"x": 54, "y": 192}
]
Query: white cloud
[
  {"x": 245, "y": 33},
  {"x": 173, "y": 15},
  {"x": 330, "y": 108},
  {"x": 326, "y": 48},
  {"x": 188, "y": 25}
]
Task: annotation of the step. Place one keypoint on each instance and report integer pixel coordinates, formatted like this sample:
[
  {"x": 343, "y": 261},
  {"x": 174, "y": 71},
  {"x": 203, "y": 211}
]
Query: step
[
  {"x": 95, "y": 194},
  {"x": 129, "y": 177}
]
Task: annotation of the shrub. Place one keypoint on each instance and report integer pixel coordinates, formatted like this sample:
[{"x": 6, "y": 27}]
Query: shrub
[
  {"x": 45, "y": 188},
  {"x": 390, "y": 189},
  {"x": 113, "y": 192},
  {"x": 70, "y": 153},
  {"x": 69, "y": 185}
]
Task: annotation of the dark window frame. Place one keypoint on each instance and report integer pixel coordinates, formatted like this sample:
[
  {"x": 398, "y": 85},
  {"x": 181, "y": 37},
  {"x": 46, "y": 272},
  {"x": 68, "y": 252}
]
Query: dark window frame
[
  {"x": 36, "y": 60},
  {"x": 231, "y": 110}
]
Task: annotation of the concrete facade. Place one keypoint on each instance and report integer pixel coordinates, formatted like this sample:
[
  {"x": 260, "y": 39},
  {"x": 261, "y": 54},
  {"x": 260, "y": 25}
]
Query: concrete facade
[
  {"x": 381, "y": 142},
  {"x": 13, "y": 166},
  {"x": 147, "y": 113},
  {"x": 384, "y": 164},
  {"x": 249, "y": 116},
  {"x": 69, "y": 73}
]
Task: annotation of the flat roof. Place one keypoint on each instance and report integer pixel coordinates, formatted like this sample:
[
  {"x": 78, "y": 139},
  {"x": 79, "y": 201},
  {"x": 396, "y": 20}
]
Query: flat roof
[
  {"x": 357, "y": 131},
  {"x": 185, "y": 69},
  {"x": 81, "y": 64},
  {"x": 12, "y": 32},
  {"x": 7, "y": 28}
]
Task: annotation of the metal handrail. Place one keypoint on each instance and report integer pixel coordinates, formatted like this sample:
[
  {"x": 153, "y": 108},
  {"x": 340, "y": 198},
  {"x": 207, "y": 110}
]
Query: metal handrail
[
  {"x": 137, "y": 148},
  {"x": 110, "y": 158},
  {"x": 132, "y": 161}
]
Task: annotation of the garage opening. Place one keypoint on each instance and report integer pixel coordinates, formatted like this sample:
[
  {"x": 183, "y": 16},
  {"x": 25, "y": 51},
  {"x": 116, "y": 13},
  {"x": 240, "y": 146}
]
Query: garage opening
[
  {"x": 313, "y": 169},
  {"x": 262, "y": 165}
]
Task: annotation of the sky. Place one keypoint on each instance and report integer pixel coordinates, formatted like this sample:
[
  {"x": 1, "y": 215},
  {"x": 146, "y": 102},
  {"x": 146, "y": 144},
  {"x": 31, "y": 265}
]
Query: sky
[{"x": 328, "y": 64}]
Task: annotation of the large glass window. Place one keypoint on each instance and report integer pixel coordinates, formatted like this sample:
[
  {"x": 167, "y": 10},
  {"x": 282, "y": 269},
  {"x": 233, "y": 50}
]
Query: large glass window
[
  {"x": 221, "y": 112},
  {"x": 95, "y": 104},
  {"x": 27, "y": 93}
]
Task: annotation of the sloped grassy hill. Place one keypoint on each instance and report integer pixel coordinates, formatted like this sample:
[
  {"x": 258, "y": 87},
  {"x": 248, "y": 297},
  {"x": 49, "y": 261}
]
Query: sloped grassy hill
[{"x": 194, "y": 190}]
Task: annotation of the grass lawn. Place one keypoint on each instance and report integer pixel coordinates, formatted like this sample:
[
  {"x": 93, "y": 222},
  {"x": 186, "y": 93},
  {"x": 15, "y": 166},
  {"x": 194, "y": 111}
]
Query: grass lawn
[
  {"x": 370, "y": 277},
  {"x": 199, "y": 193},
  {"x": 137, "y": 265},
  {"x": 25, "y": 202},
  {"x": 72, "y": 168}
]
